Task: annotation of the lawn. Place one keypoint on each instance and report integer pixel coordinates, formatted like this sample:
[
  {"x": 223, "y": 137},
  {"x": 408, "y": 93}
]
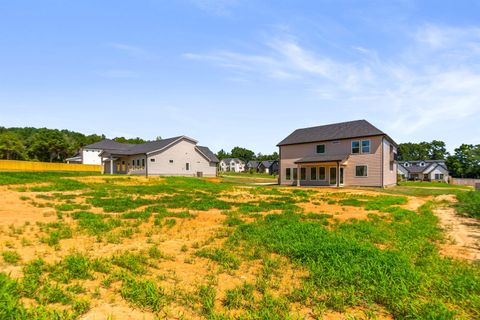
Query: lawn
[{"x": 75, "y": 246}]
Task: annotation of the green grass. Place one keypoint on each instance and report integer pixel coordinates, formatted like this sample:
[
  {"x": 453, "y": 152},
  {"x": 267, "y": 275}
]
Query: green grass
[
  {"x": 8, "y": 178},
  {"x": 426, "y": 184},
  {"x": 410, "y": 280},
  {"x": 220, "y": 255},
  {"x": 144, "y": 293},
  {"x": 469, "y": 204},
  {"x": 11, "y": 257}
]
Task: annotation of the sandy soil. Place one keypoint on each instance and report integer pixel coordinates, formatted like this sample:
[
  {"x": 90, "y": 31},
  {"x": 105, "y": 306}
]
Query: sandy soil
[
  {"x": 463, "y": 233},
  {"x": 181, "y": 272}
]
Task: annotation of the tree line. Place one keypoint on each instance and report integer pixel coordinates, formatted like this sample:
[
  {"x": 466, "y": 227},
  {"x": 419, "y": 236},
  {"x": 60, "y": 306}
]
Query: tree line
[
  {"x": 246, "y": 155},
  {"x": 53, "y": 145},
  {"x": 47, "y": 145},
  {"x": 464, "y": 162}
]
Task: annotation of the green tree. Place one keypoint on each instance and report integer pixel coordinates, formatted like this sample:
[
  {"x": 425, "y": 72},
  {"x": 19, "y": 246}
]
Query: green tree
[
  {"x": 48, "y": 145},
  {"x": 11, "y": 147},
  {"x": 465, "y": 162},
  {"x": 136, "y": 140},
  {"x": 434, "y": 150},
  {"x": 222, "y": 154},
  {"x": 243, "y": 154}
]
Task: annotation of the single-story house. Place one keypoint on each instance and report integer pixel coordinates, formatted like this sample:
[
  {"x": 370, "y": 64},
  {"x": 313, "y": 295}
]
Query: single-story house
[
  {"x": 252, "y": 165},
  {"x": 424, "y": 170},
  {"x": 268, "y": 166},
  {"x": 353, "y": 153},
  {"x": 177, "y": 156},
  {"x": 232, "y": 165}
]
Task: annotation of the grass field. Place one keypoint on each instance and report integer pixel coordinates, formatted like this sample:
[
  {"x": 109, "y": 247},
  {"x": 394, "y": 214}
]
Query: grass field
[{"x": 117, "y": 247}]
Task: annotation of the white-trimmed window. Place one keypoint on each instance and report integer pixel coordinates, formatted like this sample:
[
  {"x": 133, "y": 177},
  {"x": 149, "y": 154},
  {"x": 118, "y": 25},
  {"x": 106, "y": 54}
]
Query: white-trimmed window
[
  {"x": 303, "y": 174},
  {"x": 320, "y": 148},
  {"x": 288, "y": 174},
  {"x": 313, "y": 173},
  {"x": 361, "y": 171},
  {"x": 355, "y": 147},
  {"x": 365, "y": 146},
  {"x": 187, "y": 166},
  {"x": 321, "y": 173}
]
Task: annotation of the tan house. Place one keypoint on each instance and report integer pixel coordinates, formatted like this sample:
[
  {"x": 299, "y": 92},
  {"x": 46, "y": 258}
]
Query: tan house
[
  {"x": 351, "y": 153},
  {"x": 178, "y": 156}
]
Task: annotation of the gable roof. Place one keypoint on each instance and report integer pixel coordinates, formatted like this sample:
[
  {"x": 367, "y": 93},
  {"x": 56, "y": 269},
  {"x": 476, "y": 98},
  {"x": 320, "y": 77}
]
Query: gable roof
[
  {"x": 109, "y": 144},
  {"x": 127, "y": 149},
  {"x": 236, "y": 160},
  {"x": 414, "y": 166},
  {"x": 268, "y": 163},
  {"x": 335, "y": 131},
  {"x": 208, "y": 153}
]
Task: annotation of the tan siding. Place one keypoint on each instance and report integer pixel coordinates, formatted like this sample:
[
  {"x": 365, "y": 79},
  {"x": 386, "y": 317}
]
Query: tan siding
[
  {"x": 181, "y": 153},
  {"x": 389, "y": 176}
]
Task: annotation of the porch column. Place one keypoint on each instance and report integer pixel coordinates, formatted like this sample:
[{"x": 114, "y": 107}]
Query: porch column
[
  {"x": 338, "y": 174},
  {"x": 111, "y": 165},
  {"x": 103, "y": 165},
  {"x": 298, "y": 175}
]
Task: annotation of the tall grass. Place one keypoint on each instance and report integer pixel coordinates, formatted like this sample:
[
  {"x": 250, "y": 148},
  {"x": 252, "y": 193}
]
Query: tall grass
[
  {"x": 349, "y": 269},
  {"x": 469, "y": 204}
]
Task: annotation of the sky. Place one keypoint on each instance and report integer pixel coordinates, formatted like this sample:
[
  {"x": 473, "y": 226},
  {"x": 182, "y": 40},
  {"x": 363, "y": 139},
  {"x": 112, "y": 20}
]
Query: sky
[{"x": 241, "y": 73}]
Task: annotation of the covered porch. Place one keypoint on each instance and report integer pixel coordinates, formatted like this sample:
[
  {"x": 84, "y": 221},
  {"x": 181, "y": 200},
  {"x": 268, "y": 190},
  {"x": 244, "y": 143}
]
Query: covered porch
[{"x": 321, "y": 170}]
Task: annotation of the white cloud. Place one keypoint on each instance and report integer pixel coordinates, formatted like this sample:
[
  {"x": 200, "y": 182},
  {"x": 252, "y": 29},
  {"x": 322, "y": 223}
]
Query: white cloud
[{"x": 415, "y": 88}]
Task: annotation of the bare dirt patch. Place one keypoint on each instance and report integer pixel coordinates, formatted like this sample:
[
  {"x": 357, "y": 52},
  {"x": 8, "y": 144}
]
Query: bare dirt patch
[{"x": 463, "y": 233}]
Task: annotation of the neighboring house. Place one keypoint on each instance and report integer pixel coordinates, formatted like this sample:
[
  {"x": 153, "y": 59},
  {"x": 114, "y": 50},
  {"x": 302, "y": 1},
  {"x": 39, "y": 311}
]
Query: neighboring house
[
  {"x": 232, "y": 165},
  {"x": 252, "y": 165},
  {"x": 268, "y": 166},
  {"x": 351, "y": 153},
  {"x": 90, "y": 154},
  {"x": 425, "y": 170},
  {"x": 178, "y": 156}
]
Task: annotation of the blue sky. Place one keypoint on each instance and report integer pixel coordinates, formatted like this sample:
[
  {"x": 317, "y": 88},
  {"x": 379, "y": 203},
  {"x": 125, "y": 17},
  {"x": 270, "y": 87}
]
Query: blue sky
[{"x": 247, "y": 73}]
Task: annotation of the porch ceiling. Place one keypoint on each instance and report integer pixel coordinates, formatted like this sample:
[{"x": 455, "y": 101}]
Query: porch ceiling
[{"x": 323, "y": 158}]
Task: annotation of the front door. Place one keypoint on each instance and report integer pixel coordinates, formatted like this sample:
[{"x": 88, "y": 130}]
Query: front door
[
  {"x": 333, "y": 176},
  {"x": 341, "y": 176}
]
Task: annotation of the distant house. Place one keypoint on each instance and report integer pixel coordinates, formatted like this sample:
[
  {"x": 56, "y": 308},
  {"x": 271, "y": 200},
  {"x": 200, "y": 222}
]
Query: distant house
[
  {"x": 90, "y": 154},
  {"x": 268, "y": 166},
  {"x": 252, "y": 165},
  {"x": 354, "y": 153},
  {"x": 232, "y": 165},
  {"x": 423, "y": 170},
  {"x": 178, "y": 156}
]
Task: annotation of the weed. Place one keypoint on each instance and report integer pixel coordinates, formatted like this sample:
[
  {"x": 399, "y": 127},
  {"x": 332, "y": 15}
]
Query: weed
[{"x": 11, "y": 257}]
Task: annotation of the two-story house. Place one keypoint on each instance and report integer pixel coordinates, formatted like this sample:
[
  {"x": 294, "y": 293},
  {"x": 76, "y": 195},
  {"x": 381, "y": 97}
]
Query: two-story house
[
  {"x": 424, "y": 170},
  {"x": 232, "y": 165},
  {"x": 351, "y": 153}
]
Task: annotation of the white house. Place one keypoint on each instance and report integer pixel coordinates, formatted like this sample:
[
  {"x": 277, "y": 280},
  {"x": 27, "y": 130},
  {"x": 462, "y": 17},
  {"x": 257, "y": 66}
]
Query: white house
[
  {"x": 424, "y": 170},
  {"x": 232, "y": 165}
]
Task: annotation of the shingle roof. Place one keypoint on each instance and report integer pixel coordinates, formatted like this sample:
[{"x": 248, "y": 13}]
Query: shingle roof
[
  {"x": 343, "y": 130},
  {"x": 252, "y": 164},
  {"x": 324, "y": 158},
  {"x": 109, "y": 144},
  {"x": 208, "y": 153}
]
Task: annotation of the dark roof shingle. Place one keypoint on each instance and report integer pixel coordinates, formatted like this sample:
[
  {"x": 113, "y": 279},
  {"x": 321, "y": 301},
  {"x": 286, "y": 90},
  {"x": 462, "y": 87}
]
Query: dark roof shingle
[
  {"x": 208, "y": 153},
  {"x": 343, "y": 130}
]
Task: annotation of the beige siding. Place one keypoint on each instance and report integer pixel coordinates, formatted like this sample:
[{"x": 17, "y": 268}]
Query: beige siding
[
  {"x": 389, "y": 172},
  {"x": 181, "y": 153},
  {"x": 292, "y": 153}
]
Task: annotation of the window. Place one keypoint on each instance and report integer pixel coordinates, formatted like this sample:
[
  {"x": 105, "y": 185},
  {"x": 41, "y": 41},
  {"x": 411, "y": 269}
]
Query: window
[
  {"x": 303, "y": 173},
  {"x": 320, "y": 148},
  {"x": 355, "y": 147},
  {"x": 171, "y": 161},
  {"x": 366, "y": 146},
  {"x": 138, "y": 163},
  {"x": 438, "y": 176},
  {"x": 133, "y": 164},
  {"x": 321, "y": 173},
  {"x": 187, "y": 166},
  {"x": 288, "y": 174},
  {"x": 295, "y": 174},
  {"x": 143, "y": 163},
  {"x": 361, "y": 171},
  {"x": 152, "y": 159},
  {"x": 313, "y": 173}
]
